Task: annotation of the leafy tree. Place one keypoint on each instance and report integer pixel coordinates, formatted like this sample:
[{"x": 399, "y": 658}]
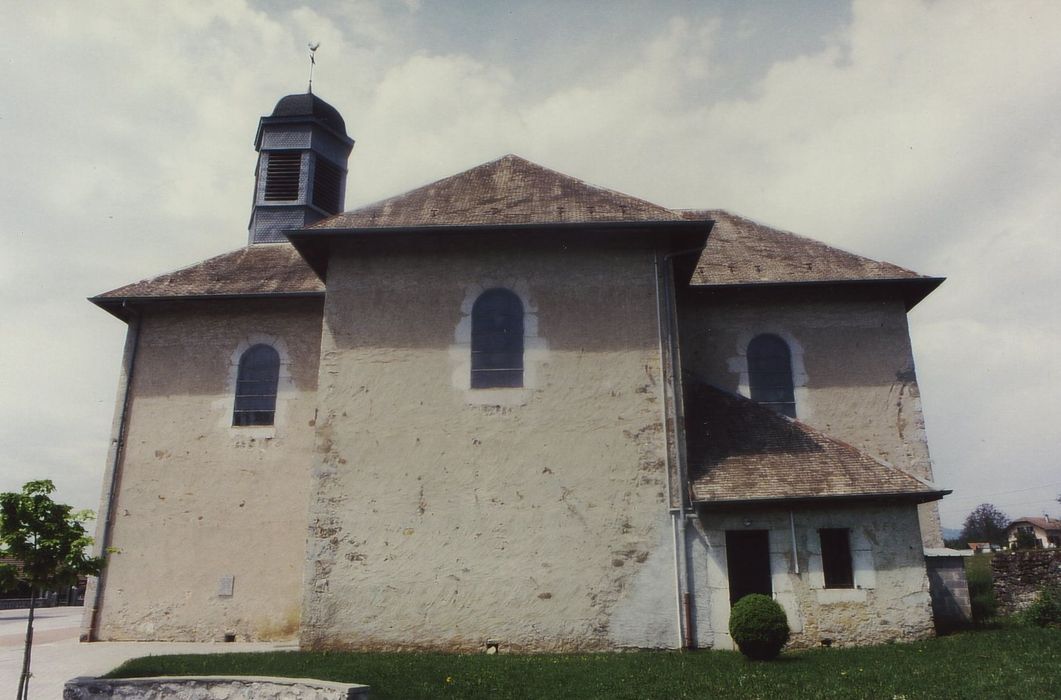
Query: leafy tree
[
  {"x": 985, "y": 524},
  {"x": 48, "y": 541},
  {"x": 1026, "y": 540}
]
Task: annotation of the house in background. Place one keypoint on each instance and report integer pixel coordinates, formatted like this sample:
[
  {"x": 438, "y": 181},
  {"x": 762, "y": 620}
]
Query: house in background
[
  {"x": 1045, "y": 530},
  {"x": 510, "y": 410}
]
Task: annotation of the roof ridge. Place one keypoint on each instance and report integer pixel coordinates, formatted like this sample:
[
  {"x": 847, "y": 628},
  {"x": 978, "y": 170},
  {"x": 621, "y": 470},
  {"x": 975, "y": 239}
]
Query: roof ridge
[{"x": 508, "y": 190}]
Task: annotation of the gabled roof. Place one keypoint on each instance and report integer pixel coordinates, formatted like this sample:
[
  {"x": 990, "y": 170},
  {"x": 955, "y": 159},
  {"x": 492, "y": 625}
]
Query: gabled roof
[
  {"x": 1050, "y": 525},
  {"x": 260, "y": 270},
  {"x": 742, "y": 252},
  {"x": 741, "y": 452},
  {"x": 506, "y": 191}
]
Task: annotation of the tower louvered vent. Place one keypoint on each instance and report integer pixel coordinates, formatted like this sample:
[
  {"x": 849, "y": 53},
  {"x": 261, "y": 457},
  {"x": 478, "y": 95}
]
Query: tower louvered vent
[
  {"x": 327, "y": 185},
  {"x": 282, "y": 176}
]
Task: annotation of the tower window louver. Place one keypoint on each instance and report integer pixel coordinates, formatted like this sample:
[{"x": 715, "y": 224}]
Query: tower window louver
[
  {"x": 282, "y": 176},
  {"x": 327, "y": 185}
]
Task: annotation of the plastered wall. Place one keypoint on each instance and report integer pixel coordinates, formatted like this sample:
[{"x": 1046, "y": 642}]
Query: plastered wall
[
  {"x": 890, "y": 600},
  {"x": 450, "y": 518},
  {"x": 853, "y": 368},
  {"x": 200, "y": 500}
]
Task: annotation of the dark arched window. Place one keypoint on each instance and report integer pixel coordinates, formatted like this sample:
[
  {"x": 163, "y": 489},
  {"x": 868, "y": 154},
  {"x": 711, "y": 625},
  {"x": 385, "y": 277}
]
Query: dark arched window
[
  {"x": 497, "y": 340},
  {"x": 770, "y": 374},
  {"x": 259, "y": 372}
]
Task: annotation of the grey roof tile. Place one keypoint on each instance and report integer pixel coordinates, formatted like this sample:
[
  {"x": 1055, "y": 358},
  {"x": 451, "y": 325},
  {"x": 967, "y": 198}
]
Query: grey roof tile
[
  {"x": 740, "y": 451},
  {"x": 506, "y": 191}
]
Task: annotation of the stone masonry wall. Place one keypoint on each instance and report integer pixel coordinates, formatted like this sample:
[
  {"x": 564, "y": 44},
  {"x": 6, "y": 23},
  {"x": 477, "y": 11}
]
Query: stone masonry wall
[
  {"x": 533, "y": 518},
  {"x": 1019, "y": 576},
  {"x": 201, "y": 500},
  {"x": 951, "y": 606},
  {"x": 889, "y": 601},
  {"x": 853, "y": 369}
]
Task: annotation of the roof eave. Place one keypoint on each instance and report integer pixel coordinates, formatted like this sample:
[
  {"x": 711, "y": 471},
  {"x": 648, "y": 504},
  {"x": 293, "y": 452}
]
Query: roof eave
[
  {"x": 914, "y": 289},
  {"x": 314, "y": 243},
  {"x": 120, "y": 306},
  {"x": 915, "y": 496}
]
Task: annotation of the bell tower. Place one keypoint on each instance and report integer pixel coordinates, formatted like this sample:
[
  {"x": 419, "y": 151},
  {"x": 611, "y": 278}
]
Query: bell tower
[{"x": 300, "y": 179}]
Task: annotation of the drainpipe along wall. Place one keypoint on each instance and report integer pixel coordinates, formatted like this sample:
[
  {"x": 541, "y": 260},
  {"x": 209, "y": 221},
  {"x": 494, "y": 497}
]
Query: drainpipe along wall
[
  {"x": 674, "y": 417},
  {"x": 112, "y": 475}
]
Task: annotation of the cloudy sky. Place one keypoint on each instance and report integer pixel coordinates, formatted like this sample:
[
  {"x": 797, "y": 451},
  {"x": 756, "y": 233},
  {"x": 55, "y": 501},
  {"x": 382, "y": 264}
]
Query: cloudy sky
[{"x": 922, "y": 133}]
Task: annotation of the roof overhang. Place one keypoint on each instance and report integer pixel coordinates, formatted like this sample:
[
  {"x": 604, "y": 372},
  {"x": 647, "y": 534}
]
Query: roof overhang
[
  {"x": 912, "y": 290},
  {"x": 315, "y": 244},
  {"x": 909, "y": 496},
  {"x": 126, "y": 307}
]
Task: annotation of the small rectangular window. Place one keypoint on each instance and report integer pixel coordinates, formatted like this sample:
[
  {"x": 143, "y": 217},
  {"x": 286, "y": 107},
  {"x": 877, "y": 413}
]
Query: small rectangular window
[{"x": 836, "y": 557}]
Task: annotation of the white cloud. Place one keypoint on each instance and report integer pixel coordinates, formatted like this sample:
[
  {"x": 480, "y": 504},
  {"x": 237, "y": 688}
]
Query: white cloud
[{"x": 924, "y": 133}]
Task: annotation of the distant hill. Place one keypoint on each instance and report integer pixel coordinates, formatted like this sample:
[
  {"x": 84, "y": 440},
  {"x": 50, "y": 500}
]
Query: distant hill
[{"x": 951, "y": 533}]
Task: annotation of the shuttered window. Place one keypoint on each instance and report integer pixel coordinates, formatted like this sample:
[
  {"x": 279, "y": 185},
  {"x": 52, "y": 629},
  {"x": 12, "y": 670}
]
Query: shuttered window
[
  {"x": 256, "y": 382},
  {"x": 836, "y": 558},
  {"x": 282, "y": 174},
  {"x": 327, "y": 186},
  {"x": 770, "y": 374},
  {"x": 497, "y": 340}
]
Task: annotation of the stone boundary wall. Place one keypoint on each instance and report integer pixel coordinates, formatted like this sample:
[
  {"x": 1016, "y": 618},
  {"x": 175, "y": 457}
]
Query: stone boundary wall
[
  {"x": 951, "y": 606},
  {"x": 1019, "y": 576},
  {"x": 211, "y": 687}
]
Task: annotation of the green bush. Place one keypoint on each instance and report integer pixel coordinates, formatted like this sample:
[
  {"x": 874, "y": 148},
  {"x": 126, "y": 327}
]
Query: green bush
[
  {"x": 1046, "y": 610},
  {"x": 981, "y": 587},
  {"x": 759, "y": 627}
]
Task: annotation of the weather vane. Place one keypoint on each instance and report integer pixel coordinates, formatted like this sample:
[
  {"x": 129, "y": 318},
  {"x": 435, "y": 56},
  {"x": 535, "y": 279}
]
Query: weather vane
[{"x": 312, "y": 62}]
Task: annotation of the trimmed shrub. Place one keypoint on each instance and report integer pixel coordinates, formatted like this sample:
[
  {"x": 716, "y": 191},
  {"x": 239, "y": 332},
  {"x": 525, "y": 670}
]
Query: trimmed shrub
[
  {"x": 758, "y": 626},
  {"x": 1046, "y": 610}
]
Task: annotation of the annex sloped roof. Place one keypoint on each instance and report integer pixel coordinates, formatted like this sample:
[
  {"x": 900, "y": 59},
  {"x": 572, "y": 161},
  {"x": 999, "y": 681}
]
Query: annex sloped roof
[
  {"x": 265, "y": 269},
  {"x": 741, "y": 251},
  {"x": 507, "y": 191},
  {"x": 741, "y": 452}
]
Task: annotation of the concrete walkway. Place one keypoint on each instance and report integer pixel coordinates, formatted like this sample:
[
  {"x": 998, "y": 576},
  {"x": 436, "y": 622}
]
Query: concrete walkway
[{"x": 58, "y": 656}]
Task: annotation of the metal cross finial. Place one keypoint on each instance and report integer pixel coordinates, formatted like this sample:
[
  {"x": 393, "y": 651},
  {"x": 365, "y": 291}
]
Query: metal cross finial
[{"x": 312, "y": 62}]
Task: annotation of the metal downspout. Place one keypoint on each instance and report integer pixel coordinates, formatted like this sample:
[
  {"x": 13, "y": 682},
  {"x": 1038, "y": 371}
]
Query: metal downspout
[
  {"x": 668, "y": 333},
  {"x": 676, "y": 514},
  {"x": 112, "y": 477}
]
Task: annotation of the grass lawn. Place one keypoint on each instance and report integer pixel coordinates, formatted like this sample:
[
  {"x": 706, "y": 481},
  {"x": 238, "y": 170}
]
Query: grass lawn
[{"x": 1016, "y": 662}]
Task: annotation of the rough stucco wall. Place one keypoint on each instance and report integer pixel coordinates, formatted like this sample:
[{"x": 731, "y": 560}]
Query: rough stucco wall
[
  {"x": 200, "y": 499},
  {"x": 534, "y": 521},
  {"x": 891, "y": 599},
  {"x": 853, "y": 370}
]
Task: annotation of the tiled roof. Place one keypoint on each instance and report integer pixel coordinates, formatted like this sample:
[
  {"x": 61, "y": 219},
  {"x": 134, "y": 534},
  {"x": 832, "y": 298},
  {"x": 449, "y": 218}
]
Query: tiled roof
[
  {"x": 258, "y": 270},
  {"x": 740, "y": 451},
  {"x": 742, "y": 251},
  {"x": 1050, "y": 525},
  {"x": 506, "y": 191},
  {"x": 514, "y": 191}
]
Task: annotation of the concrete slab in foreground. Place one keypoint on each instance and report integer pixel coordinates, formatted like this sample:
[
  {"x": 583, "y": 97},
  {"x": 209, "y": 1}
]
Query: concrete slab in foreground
[{"x": 212, "y": 687}]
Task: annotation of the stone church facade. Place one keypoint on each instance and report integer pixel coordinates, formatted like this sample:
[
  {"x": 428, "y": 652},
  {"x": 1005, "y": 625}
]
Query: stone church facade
[{"x": 510, "y": 409}]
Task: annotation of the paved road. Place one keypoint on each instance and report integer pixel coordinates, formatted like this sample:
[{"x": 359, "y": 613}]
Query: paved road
[{"x": 58, "y": 656}]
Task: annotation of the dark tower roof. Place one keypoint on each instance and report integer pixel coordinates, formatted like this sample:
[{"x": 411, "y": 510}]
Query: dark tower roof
[
  {"x": 305, "y": 107},
  {"x": 309, "y": 105}
]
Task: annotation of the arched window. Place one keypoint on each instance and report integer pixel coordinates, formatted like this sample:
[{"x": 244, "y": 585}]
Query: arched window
[
  {"x": 259, "y": 372},
  {"x": 770, "y": 374},
  {"x": 497, "y": 340}
]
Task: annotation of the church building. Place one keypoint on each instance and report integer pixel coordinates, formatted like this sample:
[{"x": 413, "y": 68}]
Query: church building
[{"x": 510, "y": 411}]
